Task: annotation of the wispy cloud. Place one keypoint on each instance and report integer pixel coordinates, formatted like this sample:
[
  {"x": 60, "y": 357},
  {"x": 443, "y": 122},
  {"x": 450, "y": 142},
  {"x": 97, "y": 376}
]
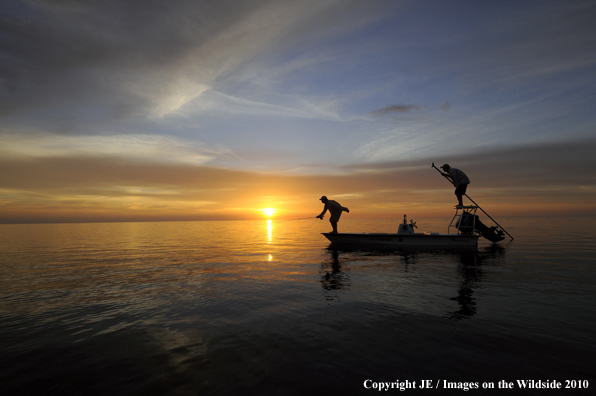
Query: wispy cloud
[
  {"x": 152, "y": 62},
  {"x": 147, "y": 148},
  {"x": 213, "y": 102}
]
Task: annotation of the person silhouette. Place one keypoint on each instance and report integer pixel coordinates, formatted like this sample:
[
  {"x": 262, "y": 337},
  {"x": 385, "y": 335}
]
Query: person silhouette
[
  {"x": 335, "y": 209},
  {"x": 459, "y": 180}
]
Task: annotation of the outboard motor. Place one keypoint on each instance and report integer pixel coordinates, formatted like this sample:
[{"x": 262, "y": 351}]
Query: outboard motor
[{"x": 467, "y": 222}]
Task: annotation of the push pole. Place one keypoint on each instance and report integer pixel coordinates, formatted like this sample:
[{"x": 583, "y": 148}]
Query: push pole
[{"x": 450, "y": 181}]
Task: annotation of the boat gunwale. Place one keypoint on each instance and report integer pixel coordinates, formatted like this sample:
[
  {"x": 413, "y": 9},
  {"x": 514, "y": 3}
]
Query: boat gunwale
[{"x": 394, "y": 234}]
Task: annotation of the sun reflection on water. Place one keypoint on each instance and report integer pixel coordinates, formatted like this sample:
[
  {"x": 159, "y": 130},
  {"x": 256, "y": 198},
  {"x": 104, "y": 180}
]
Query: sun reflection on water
[{"x": 269, "y": 236}]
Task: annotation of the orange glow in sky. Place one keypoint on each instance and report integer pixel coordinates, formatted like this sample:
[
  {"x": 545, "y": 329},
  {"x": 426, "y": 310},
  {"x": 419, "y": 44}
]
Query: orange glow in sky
[{"x": 269, "y": 212}]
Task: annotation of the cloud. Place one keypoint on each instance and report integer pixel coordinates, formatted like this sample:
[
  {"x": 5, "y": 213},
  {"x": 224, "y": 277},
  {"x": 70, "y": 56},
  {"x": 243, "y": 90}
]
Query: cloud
[
  {"x": 527, "y": 180},
  {"x": 445, "y": 106},
  {"x": 134, "y": 58},
  {"x": 551, "y": 177},
  {"x": 395, "y": 109},
  {"x": 417, "y": 113},
  {"x": 133, "y": 147},
  {"x": 213, "y": 102},
  {"x": 131, "y": 57}
]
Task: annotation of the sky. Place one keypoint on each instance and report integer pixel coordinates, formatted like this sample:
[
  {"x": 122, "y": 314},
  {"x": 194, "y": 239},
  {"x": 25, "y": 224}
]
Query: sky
[{"x": 146, "y": 110}]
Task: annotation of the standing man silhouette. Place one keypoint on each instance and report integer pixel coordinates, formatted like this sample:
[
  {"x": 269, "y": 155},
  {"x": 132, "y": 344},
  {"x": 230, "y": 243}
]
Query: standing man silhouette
[{"x": 460, "y": 181}]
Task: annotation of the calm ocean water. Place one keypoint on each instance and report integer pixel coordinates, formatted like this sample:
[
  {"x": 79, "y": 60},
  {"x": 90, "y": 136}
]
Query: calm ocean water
[{"x": 267, "y": 308}]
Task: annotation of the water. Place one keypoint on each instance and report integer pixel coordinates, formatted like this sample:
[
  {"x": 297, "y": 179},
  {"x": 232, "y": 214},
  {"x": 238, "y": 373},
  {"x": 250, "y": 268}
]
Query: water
[{"x": 266, "y": 308}]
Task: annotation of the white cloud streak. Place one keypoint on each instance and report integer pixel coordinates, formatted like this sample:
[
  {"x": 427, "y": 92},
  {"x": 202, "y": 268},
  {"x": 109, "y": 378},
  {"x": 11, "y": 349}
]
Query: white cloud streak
[{"x": 147, "y": 148}]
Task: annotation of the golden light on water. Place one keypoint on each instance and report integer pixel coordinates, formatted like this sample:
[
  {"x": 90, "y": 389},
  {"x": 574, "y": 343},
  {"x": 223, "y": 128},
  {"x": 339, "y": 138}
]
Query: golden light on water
[{"x": 269, "y": 232}]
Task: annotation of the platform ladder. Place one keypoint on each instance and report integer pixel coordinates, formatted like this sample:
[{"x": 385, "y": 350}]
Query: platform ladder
[{"x": 469, "y": 209}]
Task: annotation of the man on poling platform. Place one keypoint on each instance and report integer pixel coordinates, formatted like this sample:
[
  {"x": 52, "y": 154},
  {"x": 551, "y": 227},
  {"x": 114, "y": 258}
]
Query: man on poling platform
[{"x": 460, "y": 181}]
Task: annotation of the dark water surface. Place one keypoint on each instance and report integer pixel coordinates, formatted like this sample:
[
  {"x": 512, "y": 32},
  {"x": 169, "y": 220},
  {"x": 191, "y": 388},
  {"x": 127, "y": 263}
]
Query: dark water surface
[{"x": 267, "y": 308}]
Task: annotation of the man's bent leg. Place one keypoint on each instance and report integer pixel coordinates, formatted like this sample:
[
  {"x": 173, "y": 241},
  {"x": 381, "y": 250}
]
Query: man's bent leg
[{"x": 460, "y": 191}]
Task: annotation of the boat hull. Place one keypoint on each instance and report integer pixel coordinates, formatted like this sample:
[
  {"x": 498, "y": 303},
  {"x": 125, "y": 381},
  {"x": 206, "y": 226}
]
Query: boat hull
[{"x": 424, "y": 240}]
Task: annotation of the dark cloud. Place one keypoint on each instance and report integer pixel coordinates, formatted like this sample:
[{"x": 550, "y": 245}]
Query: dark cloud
[
  {"x": 535, "y": 166},
  {"x": 395, "y": 109}
]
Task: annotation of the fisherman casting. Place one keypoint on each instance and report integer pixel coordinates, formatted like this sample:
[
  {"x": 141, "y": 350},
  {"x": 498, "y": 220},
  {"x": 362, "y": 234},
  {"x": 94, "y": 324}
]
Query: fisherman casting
[{"x": 335, "y": 209}]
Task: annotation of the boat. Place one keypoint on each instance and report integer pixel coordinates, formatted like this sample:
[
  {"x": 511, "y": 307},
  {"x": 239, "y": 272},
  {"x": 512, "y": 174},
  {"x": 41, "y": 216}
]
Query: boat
[{"x": 463, "y": 232}]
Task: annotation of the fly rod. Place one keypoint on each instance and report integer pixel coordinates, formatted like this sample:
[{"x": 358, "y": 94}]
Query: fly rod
[
  {"x": 302, "y": 218},
  {"x": 450, "y": 181}
]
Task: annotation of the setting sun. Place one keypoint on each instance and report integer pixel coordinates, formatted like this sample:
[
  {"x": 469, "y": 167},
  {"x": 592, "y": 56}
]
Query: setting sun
[{"x": 268, "y": 211}]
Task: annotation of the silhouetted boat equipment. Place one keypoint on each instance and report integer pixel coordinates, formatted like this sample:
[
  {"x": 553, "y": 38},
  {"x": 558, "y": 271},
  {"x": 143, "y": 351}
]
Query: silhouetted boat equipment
[{"x": 478, "y": 206}]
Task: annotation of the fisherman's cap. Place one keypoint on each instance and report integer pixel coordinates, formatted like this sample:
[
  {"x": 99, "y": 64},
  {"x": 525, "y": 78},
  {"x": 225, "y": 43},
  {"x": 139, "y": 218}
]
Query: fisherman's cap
[
  {"x": 445, "y": 166},
  {"x": 323, "y": 198}
]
